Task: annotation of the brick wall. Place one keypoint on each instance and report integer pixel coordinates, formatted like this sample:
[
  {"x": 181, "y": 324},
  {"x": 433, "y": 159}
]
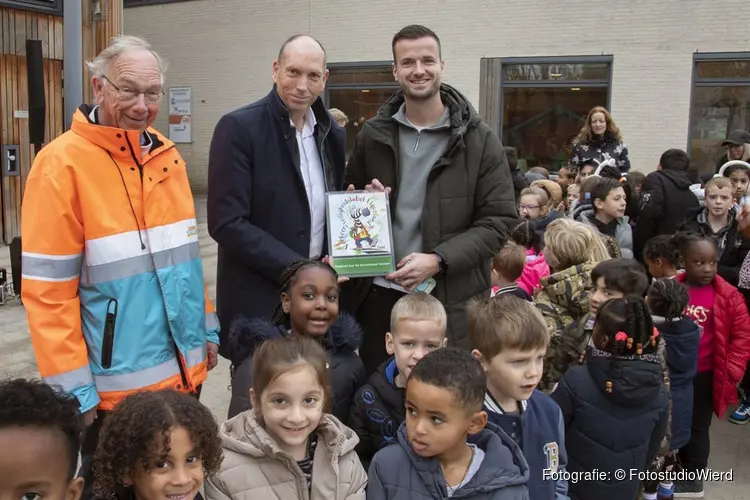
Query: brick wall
[{"x": 223, "y": 49}]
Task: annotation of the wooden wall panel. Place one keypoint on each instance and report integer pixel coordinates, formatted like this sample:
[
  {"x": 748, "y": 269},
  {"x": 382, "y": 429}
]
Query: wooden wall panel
[
  {"x": 490, "y": 87},
  {"x": 97, "y": 35},
  {"x": 16, "y": 27}
]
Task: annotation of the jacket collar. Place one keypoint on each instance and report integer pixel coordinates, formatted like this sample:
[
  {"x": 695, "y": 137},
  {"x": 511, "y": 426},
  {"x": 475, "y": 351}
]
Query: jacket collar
[
  {"x": 281, "y": 112},
  {"x": 504, "y": 464},
  {"x": 462, "y": 117},
  {"x": 345, "y": 335},
  {"x": 245, "y": 435},
  {"x": 122, "y": 144},
  {"x": 635, "y": 379}
]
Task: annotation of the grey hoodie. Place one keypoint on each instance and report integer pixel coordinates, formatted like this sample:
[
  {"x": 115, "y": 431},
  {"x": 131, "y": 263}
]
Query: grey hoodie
[
  {"x": 623, "y": 232},
  {"x": 397, "y": 473},
  {"x": 419, "y": 148}
]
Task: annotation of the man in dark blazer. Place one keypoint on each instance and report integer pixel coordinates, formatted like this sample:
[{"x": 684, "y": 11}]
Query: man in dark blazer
[{"x": 270, "y": 165}]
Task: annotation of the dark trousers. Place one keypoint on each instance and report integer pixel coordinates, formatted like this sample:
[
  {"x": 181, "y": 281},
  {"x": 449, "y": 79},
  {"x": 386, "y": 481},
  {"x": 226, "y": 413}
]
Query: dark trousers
[
  {"x": 694, "y": 455},
  {"x": 745, "y": 384},
  {"x": 88, "y": 449},
  {"x": 374, "y": 316}
]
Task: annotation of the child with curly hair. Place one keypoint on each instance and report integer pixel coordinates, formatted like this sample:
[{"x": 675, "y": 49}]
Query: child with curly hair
[
  {"x": 158, "y": 444},
  {"x": 40, "y": 435},
  {"x": 288, "y": 446}
]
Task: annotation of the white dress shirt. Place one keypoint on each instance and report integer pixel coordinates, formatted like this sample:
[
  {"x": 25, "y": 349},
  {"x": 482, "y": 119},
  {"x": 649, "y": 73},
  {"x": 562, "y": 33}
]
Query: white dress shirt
[{"x": 315, "y": 184}]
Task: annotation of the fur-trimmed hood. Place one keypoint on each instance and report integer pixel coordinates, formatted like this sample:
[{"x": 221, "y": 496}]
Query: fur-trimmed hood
[{"x": 246, "y": 334}]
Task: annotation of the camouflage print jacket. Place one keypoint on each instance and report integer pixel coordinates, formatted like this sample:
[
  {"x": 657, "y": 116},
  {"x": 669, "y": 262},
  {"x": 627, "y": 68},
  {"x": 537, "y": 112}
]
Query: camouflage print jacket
[{"x": 566, "y": 350}]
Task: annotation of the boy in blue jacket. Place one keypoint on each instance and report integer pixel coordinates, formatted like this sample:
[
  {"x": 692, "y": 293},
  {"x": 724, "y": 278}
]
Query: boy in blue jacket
[
  {"x": 509, "y": 338},
  {"x": 443, "y": 447},
  {"x": 418, "y": 324}
]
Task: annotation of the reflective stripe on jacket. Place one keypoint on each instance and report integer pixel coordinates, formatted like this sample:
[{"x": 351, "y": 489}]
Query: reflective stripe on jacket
[{"x": 112, "y": 277}]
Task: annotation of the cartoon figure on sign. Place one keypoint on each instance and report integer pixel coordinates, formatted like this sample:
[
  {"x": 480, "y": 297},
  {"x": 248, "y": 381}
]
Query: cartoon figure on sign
[
  {"x": 358, "y": 231},
  {"x": 358, "y": 225}
]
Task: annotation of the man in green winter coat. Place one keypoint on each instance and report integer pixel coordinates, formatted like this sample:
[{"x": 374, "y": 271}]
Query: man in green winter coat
[{"x": 450, "y": 191}]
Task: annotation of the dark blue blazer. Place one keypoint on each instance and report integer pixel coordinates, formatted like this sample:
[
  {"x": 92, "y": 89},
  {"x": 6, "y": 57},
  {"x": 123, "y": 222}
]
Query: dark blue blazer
[{"x": 258, "y": 210}]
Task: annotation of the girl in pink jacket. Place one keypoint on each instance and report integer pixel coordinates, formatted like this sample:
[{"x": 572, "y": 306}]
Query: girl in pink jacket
[{"x": 536, "y": 267}]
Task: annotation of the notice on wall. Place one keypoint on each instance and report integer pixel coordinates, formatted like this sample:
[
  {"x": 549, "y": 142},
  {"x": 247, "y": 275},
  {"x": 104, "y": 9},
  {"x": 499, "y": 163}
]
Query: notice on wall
[{"x": 180, "y": 115}]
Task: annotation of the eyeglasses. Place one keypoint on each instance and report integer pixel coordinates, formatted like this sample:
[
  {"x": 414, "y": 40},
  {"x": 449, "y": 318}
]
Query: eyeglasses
[
  {"x": 128, "y": 95},
  {"x": 528, "y": 207}
]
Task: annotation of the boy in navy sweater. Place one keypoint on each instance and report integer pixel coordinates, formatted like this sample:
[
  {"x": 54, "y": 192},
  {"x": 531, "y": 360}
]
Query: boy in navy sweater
[
  {"x": 509, "y": 337},
  {"x": 418, "y": 326}
]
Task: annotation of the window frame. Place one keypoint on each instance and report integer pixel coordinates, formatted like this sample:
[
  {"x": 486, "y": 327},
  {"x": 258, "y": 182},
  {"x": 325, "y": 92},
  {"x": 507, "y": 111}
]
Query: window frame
[
  {"x": 357, "y": 86},
  {"x": 507, "y": 61},
  {"x": 129, "y": 4},
  {"x": 695, "y": 81},
  {"x": 54, "y": 7}
]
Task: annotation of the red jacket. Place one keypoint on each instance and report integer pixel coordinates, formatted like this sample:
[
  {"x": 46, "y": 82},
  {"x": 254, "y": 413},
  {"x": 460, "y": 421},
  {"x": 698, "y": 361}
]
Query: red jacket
[{"x": 731, "y": 342}]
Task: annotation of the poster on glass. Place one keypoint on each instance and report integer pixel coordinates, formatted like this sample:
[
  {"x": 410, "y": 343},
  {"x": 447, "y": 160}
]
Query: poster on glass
[{"x": 359, "y": 233}]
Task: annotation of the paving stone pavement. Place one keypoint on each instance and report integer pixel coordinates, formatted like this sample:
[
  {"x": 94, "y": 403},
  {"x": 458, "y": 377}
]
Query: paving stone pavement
[{"x": 730, "y": 444}]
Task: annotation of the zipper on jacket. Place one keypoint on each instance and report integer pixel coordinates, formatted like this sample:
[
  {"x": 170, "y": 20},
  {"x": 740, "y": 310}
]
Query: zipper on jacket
[
  {"x": 108, "y": 340},
  {"x": 180, "y": 359},
  {"x": 127, "y": 192},
  {"x": 135, "y": 158},
  {"x": 181, "y": 364},
  {"x": 416, "y": 144}
]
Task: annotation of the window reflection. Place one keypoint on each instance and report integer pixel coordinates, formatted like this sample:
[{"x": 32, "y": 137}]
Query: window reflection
[
  {"x": 359, "y": 105},
  {"x": 715, "y": 112},
  {"x": 556, "y": 72},
  {"x": 541, "y": 122}
]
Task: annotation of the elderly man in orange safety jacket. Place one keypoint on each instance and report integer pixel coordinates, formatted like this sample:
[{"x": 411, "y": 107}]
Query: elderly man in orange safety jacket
[{"x": 112, "y": 275}]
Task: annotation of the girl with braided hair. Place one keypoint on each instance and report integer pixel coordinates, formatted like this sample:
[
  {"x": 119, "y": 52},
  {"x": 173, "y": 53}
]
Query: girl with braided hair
[
  {"x": 720, "y": 312},
  {"x": 309, "y": 306},
  {"x": 661, "y": 256},
  {"x": 620, "y": 382},
  {"x": 667, "y": 299}
]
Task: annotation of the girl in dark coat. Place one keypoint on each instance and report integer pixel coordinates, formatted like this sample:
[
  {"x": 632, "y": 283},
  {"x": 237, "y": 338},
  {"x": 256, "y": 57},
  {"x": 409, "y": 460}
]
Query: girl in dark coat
[
  {"x": 622, "y": 381},
  {"x": 309, "y": 306},
  {"x": 667, "y": 299}
]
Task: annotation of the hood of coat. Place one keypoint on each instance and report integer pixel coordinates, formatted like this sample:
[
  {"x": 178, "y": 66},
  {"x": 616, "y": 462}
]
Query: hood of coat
[
  {"x": 540, "y": 224},
  {"x": 462, "y": 117},
  {"x": 681, "y": 338},
  {"x": 702, "y": 220},
  {"x": 635, "y": 379},
  {"x": 383, "y": 382},
  {"x": 569, "y": 288},
  {"x": 504, "y": 464},
  {"x": 246, "y": 334},
  {"x": 580, "y": 207},
  {"x": 676, "y": 177},
  {"x": 243, "y": 434}
]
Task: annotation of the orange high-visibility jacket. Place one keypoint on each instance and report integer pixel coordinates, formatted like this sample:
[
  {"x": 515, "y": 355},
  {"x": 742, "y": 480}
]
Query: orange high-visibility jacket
[{"x": 112, "y": 276}]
